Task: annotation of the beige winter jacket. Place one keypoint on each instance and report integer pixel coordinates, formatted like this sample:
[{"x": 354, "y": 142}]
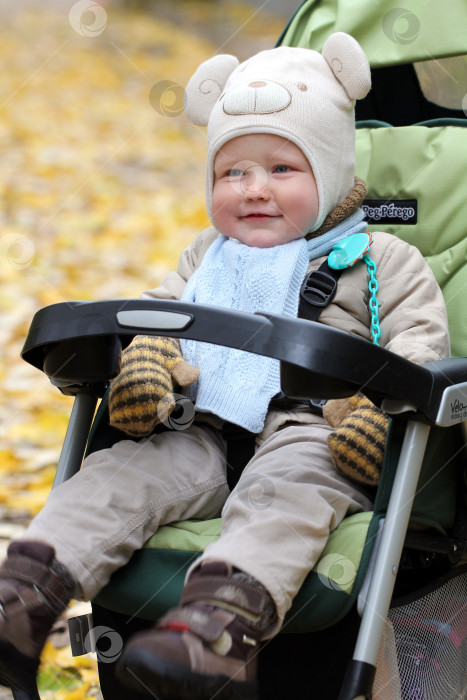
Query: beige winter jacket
[{"x": 412, "y": 313}]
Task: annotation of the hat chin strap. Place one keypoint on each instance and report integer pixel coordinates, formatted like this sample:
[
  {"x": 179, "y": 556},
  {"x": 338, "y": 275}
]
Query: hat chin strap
[{"x": 350, "y": 204}]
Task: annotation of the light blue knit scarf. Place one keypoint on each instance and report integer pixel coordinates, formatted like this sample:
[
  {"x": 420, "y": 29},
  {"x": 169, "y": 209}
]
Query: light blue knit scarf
[{"x": 236, "y": 385}]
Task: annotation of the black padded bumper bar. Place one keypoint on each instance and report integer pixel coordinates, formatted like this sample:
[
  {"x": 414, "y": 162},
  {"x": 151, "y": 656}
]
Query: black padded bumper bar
[{"x": 79, "y": 344}]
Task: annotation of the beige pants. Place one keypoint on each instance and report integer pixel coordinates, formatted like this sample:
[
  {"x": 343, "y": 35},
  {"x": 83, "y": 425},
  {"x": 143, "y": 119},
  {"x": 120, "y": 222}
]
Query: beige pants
[{"x": 275, "y": 523}]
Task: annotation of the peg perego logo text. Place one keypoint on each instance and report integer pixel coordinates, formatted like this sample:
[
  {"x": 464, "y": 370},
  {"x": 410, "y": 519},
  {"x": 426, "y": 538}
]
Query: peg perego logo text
[{"x": 390, "y": 211}]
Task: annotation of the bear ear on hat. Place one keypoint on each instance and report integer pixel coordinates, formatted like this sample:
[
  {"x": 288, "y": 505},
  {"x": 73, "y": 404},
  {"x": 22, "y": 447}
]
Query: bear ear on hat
[
  {"x": 205, "y": 87},
  {"x": 348, "y": 62}
]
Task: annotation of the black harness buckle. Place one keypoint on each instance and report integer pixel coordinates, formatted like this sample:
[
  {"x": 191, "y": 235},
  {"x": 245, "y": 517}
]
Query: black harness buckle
[{"x": 318, "y": 288}]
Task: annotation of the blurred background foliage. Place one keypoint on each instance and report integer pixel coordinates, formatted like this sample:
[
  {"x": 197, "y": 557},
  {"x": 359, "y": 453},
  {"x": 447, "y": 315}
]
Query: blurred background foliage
[{"x": 102, "y": 186}]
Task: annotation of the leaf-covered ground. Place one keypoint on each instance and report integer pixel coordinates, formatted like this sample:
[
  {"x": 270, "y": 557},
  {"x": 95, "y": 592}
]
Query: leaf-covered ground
[{"x": 101, "y": 181}]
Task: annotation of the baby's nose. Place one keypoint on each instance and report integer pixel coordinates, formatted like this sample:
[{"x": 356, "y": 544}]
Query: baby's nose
[{"x": 255, "y": 183}]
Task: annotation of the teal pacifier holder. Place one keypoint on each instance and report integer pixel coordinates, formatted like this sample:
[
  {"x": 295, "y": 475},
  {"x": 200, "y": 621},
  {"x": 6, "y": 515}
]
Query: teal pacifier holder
[{"x": 345, "y": 254}]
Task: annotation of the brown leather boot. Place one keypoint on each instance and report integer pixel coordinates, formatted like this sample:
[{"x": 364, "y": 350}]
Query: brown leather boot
[
  {"x": 208, "y": 646},
  {"x": 34, "y": 590}
]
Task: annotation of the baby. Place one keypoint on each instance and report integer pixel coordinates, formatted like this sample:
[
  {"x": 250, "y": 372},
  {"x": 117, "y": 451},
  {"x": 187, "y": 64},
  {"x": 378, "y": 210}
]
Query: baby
[{"x": 281, "y": 193}]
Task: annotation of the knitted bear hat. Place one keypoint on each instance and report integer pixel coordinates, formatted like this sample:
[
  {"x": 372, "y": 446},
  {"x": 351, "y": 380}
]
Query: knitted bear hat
[{"x": 296, "y": 93}]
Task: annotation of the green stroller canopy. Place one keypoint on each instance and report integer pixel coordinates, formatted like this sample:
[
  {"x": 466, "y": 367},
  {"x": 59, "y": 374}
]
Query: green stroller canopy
[
  {"x": 389, "y": 34},
  {"x": 417, "y": 53}
]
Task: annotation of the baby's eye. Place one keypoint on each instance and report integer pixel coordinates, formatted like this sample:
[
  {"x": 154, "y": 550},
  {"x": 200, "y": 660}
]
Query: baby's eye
[
  {"x": 234, "y": 172},
  {"x": 282, "y": 169}
]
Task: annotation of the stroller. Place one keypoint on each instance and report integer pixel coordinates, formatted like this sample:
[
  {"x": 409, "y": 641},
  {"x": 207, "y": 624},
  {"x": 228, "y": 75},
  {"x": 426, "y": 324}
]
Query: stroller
[{"x": 408, "y": 584}]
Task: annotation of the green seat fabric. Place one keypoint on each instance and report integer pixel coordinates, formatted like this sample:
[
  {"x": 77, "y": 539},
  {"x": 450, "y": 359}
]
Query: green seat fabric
[
  {"x": 434, "y": 504},
  {"x": 154, "y": 579},
  {"x": 186, "y": 535},
  {"x": 389, "y": 31},
  {"x": 348, "y": 537},
  {"x": 424, "y": 163}
]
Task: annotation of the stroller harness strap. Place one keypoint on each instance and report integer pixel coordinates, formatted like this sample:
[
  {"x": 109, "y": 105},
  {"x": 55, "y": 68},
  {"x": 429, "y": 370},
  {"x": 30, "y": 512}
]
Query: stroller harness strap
[{"x": 317, "y": 291}]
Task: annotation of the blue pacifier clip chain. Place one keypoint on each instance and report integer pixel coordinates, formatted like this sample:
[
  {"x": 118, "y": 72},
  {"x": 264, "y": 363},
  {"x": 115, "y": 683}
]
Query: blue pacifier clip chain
[
  {"x": 373, "y": 303},
  {"x": 346, "y": 253}
]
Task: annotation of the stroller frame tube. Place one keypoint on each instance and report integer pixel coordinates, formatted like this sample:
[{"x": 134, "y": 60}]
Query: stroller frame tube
[
  {"x": 76, "y": 437},
  {"x": 387, "y": 563}
]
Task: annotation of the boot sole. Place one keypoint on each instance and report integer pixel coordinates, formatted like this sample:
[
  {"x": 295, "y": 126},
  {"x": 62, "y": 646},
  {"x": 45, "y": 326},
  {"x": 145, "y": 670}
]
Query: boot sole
[
  {"x": 17, "y": 671},
  {"x": 143, "y": 671}
]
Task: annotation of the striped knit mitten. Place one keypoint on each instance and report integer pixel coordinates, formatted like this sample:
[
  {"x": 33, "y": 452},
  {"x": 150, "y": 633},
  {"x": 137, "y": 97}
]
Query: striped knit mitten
[
  {"x": 141, "y": 396},
  {"x": 358, "y": 441}
]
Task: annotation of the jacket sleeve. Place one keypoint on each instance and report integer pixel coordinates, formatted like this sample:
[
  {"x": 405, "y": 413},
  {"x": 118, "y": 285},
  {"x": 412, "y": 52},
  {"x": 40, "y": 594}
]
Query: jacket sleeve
[
  {"x": 412, "y": 312},
  {"x": 173, "y": 284}
]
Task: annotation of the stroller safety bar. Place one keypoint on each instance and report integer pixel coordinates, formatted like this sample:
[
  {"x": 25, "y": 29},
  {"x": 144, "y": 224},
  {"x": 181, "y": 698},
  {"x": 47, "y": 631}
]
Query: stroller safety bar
[{"x": 78, "y": 345}]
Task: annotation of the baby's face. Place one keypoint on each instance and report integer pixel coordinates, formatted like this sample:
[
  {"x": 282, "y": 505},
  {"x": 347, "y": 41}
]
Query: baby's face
[{"x": 264, "y": 191}]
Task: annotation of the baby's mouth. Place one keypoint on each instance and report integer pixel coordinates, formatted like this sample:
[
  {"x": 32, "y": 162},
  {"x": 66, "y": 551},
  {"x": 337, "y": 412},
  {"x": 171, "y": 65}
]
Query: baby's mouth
[{"x": 260, "y": 215}]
